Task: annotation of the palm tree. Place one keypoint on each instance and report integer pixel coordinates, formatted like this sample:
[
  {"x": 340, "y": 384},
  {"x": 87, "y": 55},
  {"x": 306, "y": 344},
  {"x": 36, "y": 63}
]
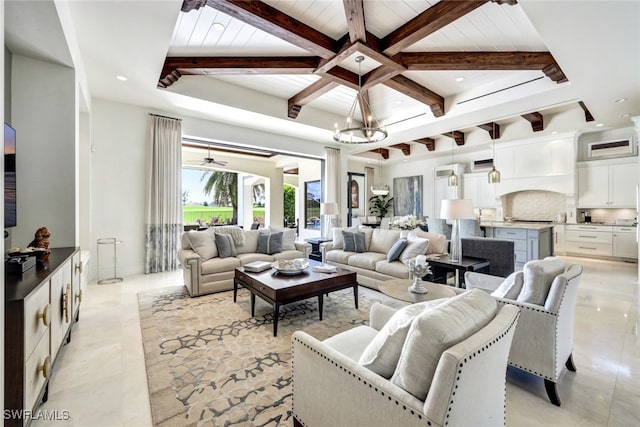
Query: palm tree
[
  {"x": 258, "y": 194},
  {"x": 224, "y": 186}
]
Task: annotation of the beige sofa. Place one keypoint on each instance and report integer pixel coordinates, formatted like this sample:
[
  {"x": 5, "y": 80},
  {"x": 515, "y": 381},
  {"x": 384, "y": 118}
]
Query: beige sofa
[
  {"x": 371, "y": 266},
  {"x": 205, "y": 271}
]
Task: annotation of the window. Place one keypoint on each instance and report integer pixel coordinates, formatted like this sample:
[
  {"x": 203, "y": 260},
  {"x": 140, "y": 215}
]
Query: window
[{"x": 312, "y": 192}]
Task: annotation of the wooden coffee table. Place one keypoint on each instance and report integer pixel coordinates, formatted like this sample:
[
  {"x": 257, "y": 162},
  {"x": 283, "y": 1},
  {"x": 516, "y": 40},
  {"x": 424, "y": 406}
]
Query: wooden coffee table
[
  {"x": 399, "y": 289},
  {"x": 278, "y": 289}
]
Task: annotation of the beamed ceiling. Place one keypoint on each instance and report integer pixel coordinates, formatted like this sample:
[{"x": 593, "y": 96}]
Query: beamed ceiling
[{"x": 394, "y": 56}]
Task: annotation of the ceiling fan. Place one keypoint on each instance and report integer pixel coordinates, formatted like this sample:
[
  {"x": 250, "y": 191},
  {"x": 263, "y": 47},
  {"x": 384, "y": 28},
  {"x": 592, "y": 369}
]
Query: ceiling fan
[{"x": 210, "y": 160}]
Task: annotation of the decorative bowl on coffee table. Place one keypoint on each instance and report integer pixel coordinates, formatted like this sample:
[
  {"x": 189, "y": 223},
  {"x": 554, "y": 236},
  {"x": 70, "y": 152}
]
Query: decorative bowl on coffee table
[{"x": 290, "y": 266}]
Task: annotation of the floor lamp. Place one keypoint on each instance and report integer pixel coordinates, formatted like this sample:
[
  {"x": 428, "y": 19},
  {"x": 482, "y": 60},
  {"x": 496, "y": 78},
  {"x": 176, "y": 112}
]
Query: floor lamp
[
  {"x": 328, "y": 210},
  {"x": 455, "y": 210}
]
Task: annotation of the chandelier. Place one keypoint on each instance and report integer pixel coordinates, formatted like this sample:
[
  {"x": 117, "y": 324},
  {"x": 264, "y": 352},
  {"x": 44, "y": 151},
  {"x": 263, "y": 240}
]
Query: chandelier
[
  {"x": 379, "y": 189},
  {"x": 370, "y": 130}
]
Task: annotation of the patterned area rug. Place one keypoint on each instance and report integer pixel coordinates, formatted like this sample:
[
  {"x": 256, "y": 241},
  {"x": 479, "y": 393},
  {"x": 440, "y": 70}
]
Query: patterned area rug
[{"x": 209, "y": 363}]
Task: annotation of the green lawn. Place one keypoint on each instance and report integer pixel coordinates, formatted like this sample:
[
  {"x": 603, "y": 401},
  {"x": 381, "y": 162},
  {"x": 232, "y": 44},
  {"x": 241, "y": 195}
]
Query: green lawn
[{"x": 190, "y": 214}]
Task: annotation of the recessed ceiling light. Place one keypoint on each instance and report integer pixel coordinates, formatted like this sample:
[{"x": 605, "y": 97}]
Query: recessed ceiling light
[
  {"x": 599, "y": 125},
  {"x": 555, "y": 132},
  {"x": 398, "y": 102},
  {"x": 217, "y": 26},
  {"x": 121, "y": 78},
  {"x": 459, "y": 79},
  {"x": 620, "y": 100},
  {"x": 625, "y": 115}
]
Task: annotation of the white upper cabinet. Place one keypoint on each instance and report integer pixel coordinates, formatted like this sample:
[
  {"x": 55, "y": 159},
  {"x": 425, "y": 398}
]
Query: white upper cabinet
[
  {"x": 607, "y": 185},
  {"x": 477, "y": 188}
]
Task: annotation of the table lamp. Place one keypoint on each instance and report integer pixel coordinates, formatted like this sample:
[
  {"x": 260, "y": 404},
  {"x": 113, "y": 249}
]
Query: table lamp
[
  {"x": 328, "y": 210},
  {"x": 455, "y": 210}
]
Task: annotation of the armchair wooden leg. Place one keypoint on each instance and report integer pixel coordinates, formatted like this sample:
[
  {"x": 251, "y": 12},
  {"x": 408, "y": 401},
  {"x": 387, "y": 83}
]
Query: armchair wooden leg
[
  {"x": 552, "y": 392},
  {"x": 296, "y": 423},
  {"x": 569, "y": 364}
]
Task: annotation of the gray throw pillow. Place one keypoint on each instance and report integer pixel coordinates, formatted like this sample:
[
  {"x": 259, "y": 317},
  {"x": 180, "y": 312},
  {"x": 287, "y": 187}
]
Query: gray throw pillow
[
  {"x": 353, "y": 241},
  {"x": 270, "y": 243},
  {"x": 226, "y": 247},
  {"x": 396, "y": 250}
]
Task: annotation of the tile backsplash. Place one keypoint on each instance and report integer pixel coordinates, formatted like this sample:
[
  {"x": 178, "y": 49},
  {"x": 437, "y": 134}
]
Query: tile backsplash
[
  {"x": 607, "y": 216},
  {"x": 534, "y": 205}
]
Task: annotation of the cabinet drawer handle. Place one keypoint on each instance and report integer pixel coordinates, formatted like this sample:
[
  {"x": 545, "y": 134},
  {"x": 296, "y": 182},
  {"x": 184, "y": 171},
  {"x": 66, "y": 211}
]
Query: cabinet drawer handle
[
  {"x": 44, "y": 316},
  {"x": 79, "y": 296},
  {"x": 584, "y": 247},
  {"x": 79, "y": 267},
  {"x": 66, "y": 302},
  {"x": 45, "y": 367},
  {"x": 588, "y": 237}
]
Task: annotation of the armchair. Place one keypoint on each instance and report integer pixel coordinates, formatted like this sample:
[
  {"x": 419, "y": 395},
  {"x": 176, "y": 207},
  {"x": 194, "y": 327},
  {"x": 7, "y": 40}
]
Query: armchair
[
  {"x": 331, "y": 388},
  {"x": 543, "y": 342}
]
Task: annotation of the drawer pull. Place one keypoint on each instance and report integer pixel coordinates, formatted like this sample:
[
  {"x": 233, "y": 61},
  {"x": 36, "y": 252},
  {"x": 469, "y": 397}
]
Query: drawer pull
[
  {"x": 45, "y": 367},
  {"x": 584, "y": 247},
  {"x": 66, "y": 302},
  {"x": 79, "y": 267},
  {"x": 79, "y": 296},
  {"x": 44, "y": 316},
  {"x": 588, "y": 237}
]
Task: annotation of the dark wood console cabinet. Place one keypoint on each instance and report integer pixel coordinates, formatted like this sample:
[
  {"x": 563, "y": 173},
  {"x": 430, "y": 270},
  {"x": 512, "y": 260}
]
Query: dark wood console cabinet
[{"x": 40, "y": 307}]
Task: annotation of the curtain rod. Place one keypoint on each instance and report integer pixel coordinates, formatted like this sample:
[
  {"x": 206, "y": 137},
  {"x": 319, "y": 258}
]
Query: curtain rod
[{"x": 164, "y": 117}]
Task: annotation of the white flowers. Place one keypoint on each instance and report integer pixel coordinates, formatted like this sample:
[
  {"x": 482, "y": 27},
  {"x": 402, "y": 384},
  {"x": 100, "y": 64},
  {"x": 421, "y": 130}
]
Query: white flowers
[{"x": 407, "y": 222}]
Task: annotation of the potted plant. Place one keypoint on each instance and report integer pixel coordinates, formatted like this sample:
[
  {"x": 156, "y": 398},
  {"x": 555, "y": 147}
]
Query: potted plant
[{"x": 379, "y": 206}]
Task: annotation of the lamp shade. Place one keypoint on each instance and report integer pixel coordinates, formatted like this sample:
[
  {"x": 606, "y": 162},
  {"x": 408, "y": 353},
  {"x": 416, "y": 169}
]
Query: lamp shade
[
  {"x": 330, "y": 208},
  {"x": 457, "y": 209}
]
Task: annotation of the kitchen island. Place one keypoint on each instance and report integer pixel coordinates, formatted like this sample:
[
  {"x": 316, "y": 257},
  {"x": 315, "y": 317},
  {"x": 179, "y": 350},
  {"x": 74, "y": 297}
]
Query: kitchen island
[{"x": 532, "y": 240}]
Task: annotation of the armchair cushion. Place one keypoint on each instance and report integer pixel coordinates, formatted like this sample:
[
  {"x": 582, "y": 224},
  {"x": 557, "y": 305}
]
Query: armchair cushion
[
  {"x": 382, "y": 354},
  {"x": 511, "y": 286},
  {"x": 436, "y": 330},
  {"x": 203, "y": 243},
  {"x": 538, "y": 276}
]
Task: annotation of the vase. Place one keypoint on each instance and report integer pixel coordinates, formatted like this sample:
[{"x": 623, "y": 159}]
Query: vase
[{"x": 417, "y": 287}]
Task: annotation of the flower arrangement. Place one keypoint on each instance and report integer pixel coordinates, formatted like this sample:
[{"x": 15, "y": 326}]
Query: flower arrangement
[{"x": 407, "y": 222}]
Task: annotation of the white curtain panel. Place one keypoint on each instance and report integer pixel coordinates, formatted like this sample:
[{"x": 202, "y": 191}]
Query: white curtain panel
[
  {"x": 332, "y": 185},
  {"x": 164, "y": 186}
]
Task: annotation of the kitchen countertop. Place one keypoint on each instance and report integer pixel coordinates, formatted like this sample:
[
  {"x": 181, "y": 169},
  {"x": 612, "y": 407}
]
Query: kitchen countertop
[{"x": 541, "y": 226}]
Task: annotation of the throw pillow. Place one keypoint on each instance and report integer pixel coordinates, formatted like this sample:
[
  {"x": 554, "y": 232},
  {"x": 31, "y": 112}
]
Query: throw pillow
[
  {"x": 270, "y": 243},
  {"x": 288, "y": 237},
  {"x": 226, "y": 247},
  {"x": 396, "y": 249},
  {"x": 337, "y": 236},
  {"x": 435, "y": 331},
  {"x": 382, "y": 354},
  {"x": 203, "y": 243},
  {"x": 538, "y": 276},
  {"x": 437, "y": 242},
  {"x": 353, "y": 241},
  {"x": 415, "y": 246},
  {"x": 511, "y": 287}
]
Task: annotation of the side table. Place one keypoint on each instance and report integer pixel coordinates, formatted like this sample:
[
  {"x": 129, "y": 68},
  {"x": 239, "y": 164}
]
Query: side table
[
  {"x": 315, "y": 254},
  {"x": 399, "y": 289}
]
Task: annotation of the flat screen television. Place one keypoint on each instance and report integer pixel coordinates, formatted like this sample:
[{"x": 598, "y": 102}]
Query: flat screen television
[{"x": 10, "y": 219}]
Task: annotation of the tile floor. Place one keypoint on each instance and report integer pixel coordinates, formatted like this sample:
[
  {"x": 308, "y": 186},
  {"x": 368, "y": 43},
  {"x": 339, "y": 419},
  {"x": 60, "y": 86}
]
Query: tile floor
[{"x": 100, "y": 375}]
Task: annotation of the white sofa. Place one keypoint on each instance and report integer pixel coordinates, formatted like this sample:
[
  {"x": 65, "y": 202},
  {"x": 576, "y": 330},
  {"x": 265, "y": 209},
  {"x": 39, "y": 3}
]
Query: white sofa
[
  {"x": 546, "y": 292},
  {"x": 464, "y": 377},
  {"x": 206, "y": 272},
  {"x": 371, "y": 266}
]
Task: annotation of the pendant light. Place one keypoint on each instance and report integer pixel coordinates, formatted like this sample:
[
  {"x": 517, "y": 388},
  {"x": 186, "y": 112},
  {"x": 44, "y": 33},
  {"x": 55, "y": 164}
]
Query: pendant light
[
  {"x": 453, "y": 178},
  {"x": 494, "y": 174},
  {"x": 379, "y": 189}
]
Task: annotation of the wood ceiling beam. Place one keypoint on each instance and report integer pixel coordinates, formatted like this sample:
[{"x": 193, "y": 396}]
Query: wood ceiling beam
[
  {"x": 354, "y": 11},
  {"x": 308, "y": 94},
  {"x": 536, "y": 120},
  {"x": 587, "y": 114},
  {"x": 487, "y": 60},
  {"x": 428, "y": 22},
  {"x": 344, "y": 77},
  {"x": 405, "y": 148},
  {"x": 493, "y": 128},
  {"x": 456, "y": 135},
  {"x": 554, "y": 72},
  {"x": 379, "y": 75},
  {"x": 270, "y": 20},
  {"x": 418, "y": 92},
  {"x": 430, "y": 143},
  {"x": 384, "y": 152}
]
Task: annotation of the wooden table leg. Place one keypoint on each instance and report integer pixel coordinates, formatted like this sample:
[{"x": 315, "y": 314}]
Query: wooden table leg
[
  {"x": 355, "y": 294},
  {"x": 276, "y": 314},
  {"x": 235, "y": 290},
  {"x": 320, "y": 304},
  {"x": 253, "y": 304}
]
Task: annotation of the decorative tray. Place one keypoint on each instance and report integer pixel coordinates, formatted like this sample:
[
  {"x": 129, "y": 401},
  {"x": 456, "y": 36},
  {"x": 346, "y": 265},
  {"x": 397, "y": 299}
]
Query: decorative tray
[{"x": 290, "y": 266}]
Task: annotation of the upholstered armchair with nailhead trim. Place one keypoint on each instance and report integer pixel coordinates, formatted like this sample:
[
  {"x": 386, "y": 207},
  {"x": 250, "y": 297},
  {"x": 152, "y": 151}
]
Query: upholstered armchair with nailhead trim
[
  {"x": 543, "y": 342},
  {"x": 333, "y": 387}
]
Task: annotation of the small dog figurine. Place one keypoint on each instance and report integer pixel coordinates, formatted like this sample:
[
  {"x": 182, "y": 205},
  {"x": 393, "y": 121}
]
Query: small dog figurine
[{"x": 41, "y": 239}]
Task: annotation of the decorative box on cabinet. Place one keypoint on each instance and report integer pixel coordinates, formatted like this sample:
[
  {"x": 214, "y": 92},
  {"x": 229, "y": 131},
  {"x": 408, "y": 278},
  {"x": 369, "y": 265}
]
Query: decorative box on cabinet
[{"x": 31, "y": 332}]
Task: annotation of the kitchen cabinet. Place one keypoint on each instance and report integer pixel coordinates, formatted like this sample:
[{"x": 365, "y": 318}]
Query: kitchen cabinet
[
  {"x": 558, "y": 239},
  {"x": 442, "y": 190},
  {"x": 594, "y": 240},
  {"x": 529, "y": 244},
  {"x": 36, "y": 325},
  {"x": 607, "y": 185},
  {"x": 477, "y": 188},
  {"x": 624, "y": 242}
]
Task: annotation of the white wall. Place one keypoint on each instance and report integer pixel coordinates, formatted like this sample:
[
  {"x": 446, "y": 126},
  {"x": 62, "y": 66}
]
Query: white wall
[{"x": 44, "y": 110}]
